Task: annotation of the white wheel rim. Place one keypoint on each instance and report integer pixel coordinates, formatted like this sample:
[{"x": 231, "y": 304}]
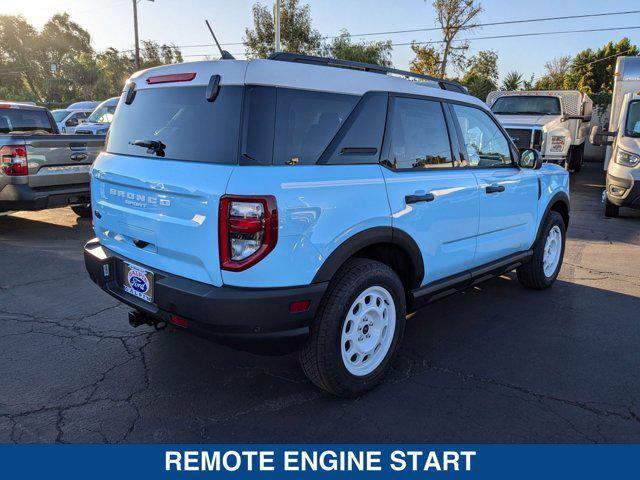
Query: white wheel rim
[
  {"x": 552, "y": 250},
  {"x": 368, "y": 331}
]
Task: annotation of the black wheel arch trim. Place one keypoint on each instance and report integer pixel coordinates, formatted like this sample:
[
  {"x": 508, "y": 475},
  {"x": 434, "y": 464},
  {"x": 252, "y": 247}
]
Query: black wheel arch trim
[
  {"x": 367, "y": 238},
  {"x": 558, "y": 197}
]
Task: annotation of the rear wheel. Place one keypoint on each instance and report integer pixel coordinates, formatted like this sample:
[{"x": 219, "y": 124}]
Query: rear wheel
[
  {"x": 610, "y": 210},
  {"x": 357, "y": 329},
  {"x": 83, "y": 211},
  {"x": 548, "y": 252}
]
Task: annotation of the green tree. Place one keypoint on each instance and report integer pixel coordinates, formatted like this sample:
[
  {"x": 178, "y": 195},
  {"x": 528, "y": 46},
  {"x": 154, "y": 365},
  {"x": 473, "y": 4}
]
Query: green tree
[
  {"x": 453, "y": 16},
  {"x": 592, "y": 71},
  {"x": 296, "y": 32},
  {"x": 555, "y": 74},
  {"x": 481, "y": 76},
  {"x": 512, "y": 81},
  {"x": 344, "y": 48},
  {"x": 427, "y": 60}
]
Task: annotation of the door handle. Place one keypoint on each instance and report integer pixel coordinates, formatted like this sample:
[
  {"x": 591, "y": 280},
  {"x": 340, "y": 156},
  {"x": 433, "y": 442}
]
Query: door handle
[
  {"x": 427, "y": 197},
  {"x": 494, "y": 188}
]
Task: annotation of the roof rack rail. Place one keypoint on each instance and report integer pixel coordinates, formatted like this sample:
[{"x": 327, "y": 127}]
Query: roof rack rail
[{"x": 366, "y": 67}]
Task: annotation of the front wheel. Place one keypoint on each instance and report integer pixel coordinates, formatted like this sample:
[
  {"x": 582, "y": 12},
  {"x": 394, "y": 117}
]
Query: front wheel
[
  {"x": 357, "y": 329},
  {"x": 611, "y": 210},
  {"x": 548, "y": 252}
]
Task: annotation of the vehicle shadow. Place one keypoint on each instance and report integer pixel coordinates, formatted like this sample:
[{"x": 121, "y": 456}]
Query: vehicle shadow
[{"x": 497, "y": 344}]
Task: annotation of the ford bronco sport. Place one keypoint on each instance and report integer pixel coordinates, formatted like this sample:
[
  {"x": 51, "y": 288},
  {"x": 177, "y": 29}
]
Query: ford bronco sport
[{"x": 283, "y": 204}]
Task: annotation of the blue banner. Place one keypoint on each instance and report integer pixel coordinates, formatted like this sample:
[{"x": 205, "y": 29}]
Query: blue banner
[{"x": 319, "y": 461}]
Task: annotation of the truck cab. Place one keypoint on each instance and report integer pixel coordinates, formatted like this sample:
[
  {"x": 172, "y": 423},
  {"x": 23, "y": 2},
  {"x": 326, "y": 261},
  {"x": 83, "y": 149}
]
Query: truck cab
[
  {"x": 622, "y": 160},
  {"x": 555, "y": 122}
]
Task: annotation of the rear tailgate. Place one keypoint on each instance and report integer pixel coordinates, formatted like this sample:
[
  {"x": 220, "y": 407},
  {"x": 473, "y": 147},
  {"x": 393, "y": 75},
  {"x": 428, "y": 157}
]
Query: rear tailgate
[
  {"x": 159, "y": 206},
  {"x": 161, "y": 213},
  {"x": 56, "y": 160}
]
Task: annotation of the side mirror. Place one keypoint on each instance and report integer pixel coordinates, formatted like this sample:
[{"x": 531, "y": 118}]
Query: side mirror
[
  {"x": 599, "y": 137},
  {"x": 530, "y": 158}
]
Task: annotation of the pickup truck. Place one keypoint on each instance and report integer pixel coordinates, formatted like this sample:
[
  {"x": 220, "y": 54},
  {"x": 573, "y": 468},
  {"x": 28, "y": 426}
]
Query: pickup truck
[
  {"x": 556, "y": 122},
  {"x": 39, "y": 168}
]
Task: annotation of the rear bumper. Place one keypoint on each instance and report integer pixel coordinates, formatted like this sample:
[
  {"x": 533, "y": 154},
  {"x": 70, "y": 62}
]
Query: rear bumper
[
  {"x": 24, "y": 197},
  {"x": 253, "y": 319},
  {"x": 631, "y": 196}
]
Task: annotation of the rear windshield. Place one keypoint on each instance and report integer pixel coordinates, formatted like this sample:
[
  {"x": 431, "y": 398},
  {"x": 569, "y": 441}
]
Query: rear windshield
[
  {"x": 190, "y": 127},
  {"x": 526, "y": 105},
  {"x": 16, "y": 120}
]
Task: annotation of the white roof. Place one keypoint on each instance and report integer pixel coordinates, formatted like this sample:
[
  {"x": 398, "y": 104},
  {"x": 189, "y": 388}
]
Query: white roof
[{"x": 297, "y": 75}]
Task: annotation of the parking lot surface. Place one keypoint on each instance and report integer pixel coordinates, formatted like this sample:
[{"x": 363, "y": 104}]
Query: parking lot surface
[{"x": 495, "y": 364}]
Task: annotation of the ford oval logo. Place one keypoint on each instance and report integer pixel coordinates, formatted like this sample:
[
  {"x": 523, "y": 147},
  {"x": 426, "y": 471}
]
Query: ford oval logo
[{"x": 78, "y": 157}]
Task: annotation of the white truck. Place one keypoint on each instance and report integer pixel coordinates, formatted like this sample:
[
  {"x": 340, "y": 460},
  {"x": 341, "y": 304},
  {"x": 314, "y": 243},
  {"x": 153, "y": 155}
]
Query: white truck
[
  {"x": 555, "y": 122},
  {"x": 623, "y": 139}
]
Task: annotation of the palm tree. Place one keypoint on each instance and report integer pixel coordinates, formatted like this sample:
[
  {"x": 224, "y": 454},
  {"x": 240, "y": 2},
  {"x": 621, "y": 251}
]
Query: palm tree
[{"x": 512, "y": 81}]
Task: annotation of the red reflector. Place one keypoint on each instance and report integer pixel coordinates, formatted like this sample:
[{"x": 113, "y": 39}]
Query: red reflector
[
  {"x": 299, "y": 306},
  {"x": 174, "y": 77},
  {"x": 5, "y": 105},
  {"x": 179, "y": 321}
]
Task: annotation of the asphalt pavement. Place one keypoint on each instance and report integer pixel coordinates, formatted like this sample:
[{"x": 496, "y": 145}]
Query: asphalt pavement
[{"x": 497, "y": 363}]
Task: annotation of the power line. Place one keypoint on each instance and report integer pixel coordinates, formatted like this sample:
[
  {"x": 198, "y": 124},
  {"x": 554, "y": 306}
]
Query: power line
[
  {"x": 490, "y": 24},
  {"x": 468, "y": 27},
  {"x": 532, "y": 34}
]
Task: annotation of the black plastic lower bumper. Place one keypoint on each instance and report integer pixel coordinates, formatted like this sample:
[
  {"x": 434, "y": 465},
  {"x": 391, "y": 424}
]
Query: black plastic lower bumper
[
  {"x": 24, "y": 197},
  {"x": 253, "y": 319},
  {"x": 631, "y": 197}
]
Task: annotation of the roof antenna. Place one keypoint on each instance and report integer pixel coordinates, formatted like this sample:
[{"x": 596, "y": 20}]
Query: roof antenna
[{"x": 224, "y": 55}]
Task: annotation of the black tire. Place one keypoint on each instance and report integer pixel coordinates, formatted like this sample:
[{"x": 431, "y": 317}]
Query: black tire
[
  {"x": 321, "y": 357},
  {"x": 532, "y": 275},
  {"x": 83, "y": 211},
  {"x": 577, "y": 158},
  {"x": 610, "y": 210}
]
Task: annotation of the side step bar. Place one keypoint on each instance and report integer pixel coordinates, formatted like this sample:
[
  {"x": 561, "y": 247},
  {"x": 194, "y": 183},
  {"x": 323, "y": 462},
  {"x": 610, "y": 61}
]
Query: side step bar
[{"x": 456, "y": 283}]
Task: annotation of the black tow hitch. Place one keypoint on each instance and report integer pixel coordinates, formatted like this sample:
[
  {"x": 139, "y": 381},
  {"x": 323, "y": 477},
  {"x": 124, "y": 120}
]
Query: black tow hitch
[{"x": 137, "y": 318}]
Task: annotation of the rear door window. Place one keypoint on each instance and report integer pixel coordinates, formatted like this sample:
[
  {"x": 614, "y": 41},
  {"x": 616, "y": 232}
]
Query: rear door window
[
  {"x": 417, "y": 135},
  {"x": 306, "y": 121},
  {"x": 190, "y": 127}
]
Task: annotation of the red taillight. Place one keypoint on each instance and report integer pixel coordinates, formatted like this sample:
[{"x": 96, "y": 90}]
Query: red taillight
[
  {"x": 247, "y": 230},
  {"x": 174, "y": 77},
  {"x": 13, "y": 160}
]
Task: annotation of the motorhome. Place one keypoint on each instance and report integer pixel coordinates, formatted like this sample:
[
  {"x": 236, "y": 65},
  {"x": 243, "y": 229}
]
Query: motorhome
[
  {"x": 555, "y": 122},
  {"x": 622, "y": 139}
]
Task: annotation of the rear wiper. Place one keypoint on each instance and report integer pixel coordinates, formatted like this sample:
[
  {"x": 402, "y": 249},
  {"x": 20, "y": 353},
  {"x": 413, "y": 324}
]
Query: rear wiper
[{"x": 152, "y": 146}]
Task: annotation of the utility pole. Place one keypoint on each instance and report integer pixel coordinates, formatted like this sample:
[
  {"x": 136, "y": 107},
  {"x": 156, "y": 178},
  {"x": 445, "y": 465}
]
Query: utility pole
[
  {"x": 135, "y": 30},
  {"x": 277, "y": 24}
]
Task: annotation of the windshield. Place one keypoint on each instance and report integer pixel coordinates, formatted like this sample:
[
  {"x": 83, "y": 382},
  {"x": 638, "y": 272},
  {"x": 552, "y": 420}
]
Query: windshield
[
  {"x": 59, "y": 115},
  {"x": 15, "y": 120},
  {"x": 179, "y": 123},
  {"x": 632, "y": 127},
  {"x": 102, "y": 114},
  {"x": 527, "y": 105}
]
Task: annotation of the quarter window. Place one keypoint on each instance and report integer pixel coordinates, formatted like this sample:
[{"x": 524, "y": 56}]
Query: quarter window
[
  {"x": 417, "y": 135},
  {"x": 306, "y": 121},
  {"x": 485, "y": 144}
]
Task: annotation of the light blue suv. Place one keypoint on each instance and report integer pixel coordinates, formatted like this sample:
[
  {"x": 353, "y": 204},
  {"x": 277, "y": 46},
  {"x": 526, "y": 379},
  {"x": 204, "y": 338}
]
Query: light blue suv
[{"x": 305, "y": 203}]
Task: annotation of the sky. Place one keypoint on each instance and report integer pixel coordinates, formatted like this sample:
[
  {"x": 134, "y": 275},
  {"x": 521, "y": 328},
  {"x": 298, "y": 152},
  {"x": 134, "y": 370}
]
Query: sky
[{"x": 181, "y": 22}]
